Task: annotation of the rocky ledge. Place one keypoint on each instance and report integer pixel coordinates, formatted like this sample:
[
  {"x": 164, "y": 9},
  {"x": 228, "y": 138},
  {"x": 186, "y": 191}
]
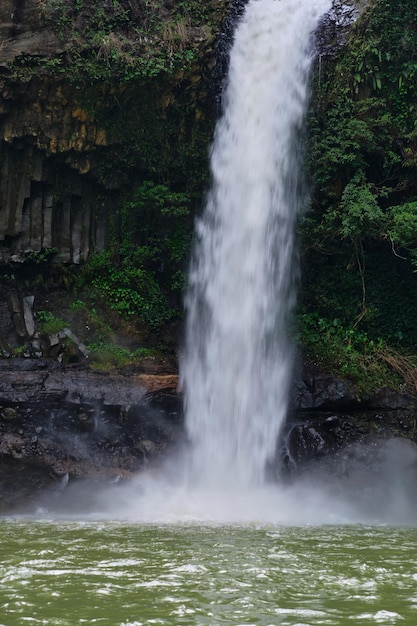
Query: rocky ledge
[
  {"x": 60, "y": 424},
  {"x": 327, "y": 415}
]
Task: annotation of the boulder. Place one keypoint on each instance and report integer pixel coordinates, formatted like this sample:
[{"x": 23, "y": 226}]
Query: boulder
[{"x": 316, "y": 389}]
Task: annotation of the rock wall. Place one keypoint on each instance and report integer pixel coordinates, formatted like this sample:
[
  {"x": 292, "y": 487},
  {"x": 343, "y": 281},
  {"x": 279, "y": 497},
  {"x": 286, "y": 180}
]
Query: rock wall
[
  {"x": 62, "y": 150},
  {"x": 23, "y": 30},
  {"x": 59, "y": 425},
  {"x": 48, "y": 204},
  {"x": 328, "y": 421},
  {"x": 45, "y": 140}
]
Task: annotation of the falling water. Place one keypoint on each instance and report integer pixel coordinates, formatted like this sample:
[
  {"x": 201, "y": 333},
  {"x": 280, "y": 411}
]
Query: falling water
[{"x": 238, "y": 362}]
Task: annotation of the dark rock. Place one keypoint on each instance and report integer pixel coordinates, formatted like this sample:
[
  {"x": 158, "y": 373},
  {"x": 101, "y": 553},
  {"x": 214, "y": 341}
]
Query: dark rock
[
  {"x": 376, "y": 476},
  {"x": 68, "y": 421},
  {"x": 61, "y": 163},
  {"x": 8, "y": 413},
  {"x": 317, "y": 390},
  {"x": 389, "y": 399},
  {"x": 21, "y": 483},
  {"x": 315, "y": 435},
  {"x": 26, "y": 380},
  {"x": 77, "y": 345},
  {"x": 334, "y": 28}
]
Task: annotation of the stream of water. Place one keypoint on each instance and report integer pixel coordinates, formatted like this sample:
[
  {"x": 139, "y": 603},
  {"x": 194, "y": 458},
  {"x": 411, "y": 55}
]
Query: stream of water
[{"x": 238, "y": 362}]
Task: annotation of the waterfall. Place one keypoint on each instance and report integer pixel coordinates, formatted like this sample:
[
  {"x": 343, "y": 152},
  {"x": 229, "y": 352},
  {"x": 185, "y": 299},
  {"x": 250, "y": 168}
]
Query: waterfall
[{"x": 238, "y": 357}]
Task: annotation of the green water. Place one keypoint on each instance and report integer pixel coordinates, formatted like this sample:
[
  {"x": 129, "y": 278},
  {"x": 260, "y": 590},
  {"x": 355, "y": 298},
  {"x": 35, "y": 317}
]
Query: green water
[{"x": 124, "y": 574}]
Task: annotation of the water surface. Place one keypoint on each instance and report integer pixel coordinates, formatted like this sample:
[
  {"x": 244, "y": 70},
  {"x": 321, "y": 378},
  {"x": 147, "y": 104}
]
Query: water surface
[{"x": 63, "y": 573}]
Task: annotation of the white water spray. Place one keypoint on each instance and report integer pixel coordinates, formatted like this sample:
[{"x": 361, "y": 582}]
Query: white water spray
[{"x": 238, "y": 362}]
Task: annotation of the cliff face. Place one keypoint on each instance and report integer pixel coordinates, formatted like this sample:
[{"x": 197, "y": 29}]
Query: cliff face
[
  {"x": 43, "y": 135},
  {"x": 75, "y": 128},
  {"x": 23, "y": 30}
]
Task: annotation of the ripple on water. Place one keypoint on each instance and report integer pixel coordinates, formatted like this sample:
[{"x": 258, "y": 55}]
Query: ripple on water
[{"x": 125, "y": 574}]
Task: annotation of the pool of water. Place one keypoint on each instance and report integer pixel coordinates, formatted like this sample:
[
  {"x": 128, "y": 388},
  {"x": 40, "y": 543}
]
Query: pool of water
[{"x": 120, "y": 573}]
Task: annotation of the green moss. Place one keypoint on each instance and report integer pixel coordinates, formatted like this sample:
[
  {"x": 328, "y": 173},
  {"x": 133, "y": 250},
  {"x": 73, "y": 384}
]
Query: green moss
[
  {"x": 49, "y": 324},
  {"x": 108, "y": 356}
]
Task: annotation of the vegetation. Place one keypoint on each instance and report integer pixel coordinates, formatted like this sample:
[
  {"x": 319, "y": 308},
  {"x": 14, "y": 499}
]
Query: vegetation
[
  {"x": 133, "y": 70},
  {"x": 359, "y": 292},
  {"x": 124, "y": 40},
  {"x": 351, "y": 353},
  {"x": 135, "y": 286},
  {"x": 48, "y": 323},
  {"x": 141, "y": 273},
  {"x": 107, "y": 356}
]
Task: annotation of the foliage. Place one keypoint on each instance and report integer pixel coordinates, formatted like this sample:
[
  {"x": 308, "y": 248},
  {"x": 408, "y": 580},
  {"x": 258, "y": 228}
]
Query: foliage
[
  {"x": 139, "y": 274},
  {"x": 359, "y": 209},
  {"x": 105, "y": 356},
  {"x": 360, "y": 235},
  {"x": 134, "y": 70},
  {"x": 127, "y": 65},
  {"x": 402, "y": 230},
  {"x": 17, "y": 352},
  {"x": 349, "y": 353},
  {"x": 129, "y": 290},
  {"x": 124, "y": 40},
  {"x": 48, "y": 323},
  {"x": 43, "y": 256},
  {"x": 157, "y": 217}
]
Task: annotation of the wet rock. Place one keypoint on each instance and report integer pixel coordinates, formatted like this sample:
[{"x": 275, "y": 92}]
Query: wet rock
[
  {"x": 86, "y": 419},
  {"x": 317, "y": 435},
  {"x": 77, "y": 345},
  {"x": 314, "y": 438},
  {"x": 27, "y": 380},
  {"x": 71, "y": 421},
  {"x": 375, "y": 474},
  {"x": 21, "y": 313},
  {"x": 8, "y": 414},
  {"x": 27, "y": 310},
  {"x": 316, "y": 389},
  {"x": 333, "y": 31},
  {"x": 391, "y": 400},
  {"x": 147, "y": 449},
  {"x": 14, "y": 303},
  {"x": 21, "y": 484}
]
